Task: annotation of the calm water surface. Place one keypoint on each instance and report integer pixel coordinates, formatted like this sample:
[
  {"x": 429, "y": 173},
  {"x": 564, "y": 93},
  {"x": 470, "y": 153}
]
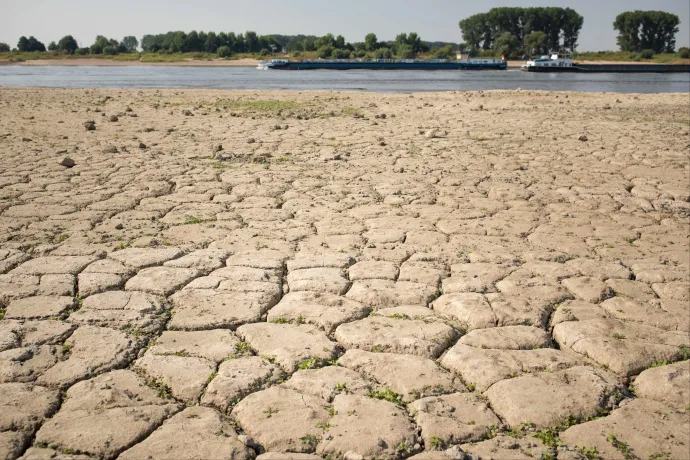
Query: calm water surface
[{"x": 388, "y": 81}]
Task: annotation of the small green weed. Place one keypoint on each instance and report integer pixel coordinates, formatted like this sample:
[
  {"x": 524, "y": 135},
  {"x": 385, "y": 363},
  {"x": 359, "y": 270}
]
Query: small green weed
[
  {"x": 242, "y": 348},
  {"x": 399, "y": 316},
  {"x": 162, "y": 390},
  {"x": 622, "y": 447},
  {"x": 387, "y": 395},
  {"x": 280, "y": 321},
  {"x": 313, "y": 363},
  {"x": 589, "y": 453},
  {"x": 404, "y": 448},
  {"x": 549, "y": 437},
  {"x": 436, "y": 443},
  {"x": 194, "y": 220},
  {"x": 310, "y": 440}
]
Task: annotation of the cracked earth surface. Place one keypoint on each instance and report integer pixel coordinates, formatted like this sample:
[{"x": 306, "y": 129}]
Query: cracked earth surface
[{"x": 298, "y": 275}]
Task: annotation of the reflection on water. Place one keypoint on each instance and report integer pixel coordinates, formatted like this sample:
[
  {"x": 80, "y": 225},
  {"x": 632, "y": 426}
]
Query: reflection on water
[{"x": 394, "y": 81}]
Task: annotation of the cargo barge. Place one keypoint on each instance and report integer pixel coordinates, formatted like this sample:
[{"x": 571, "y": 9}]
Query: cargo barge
[
  {"x": 385, "y": 64},
  {"x": 564, "y": 63}
]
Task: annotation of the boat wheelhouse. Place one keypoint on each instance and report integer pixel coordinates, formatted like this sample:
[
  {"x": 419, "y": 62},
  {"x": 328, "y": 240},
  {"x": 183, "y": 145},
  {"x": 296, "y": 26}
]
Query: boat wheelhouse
[{"x": 558, "y": 60}]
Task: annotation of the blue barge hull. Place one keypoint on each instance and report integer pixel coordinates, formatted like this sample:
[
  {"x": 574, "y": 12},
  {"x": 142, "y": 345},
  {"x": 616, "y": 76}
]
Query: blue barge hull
[
  {"x": 613, "y": 68},
  {"x": 384, "y": 65}
]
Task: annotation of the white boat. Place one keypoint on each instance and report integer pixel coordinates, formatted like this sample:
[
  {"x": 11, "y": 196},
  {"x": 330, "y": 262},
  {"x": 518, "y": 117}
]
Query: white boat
[
  {"x": 548, "y": 63},
  {"x": 266, "y": 65}
]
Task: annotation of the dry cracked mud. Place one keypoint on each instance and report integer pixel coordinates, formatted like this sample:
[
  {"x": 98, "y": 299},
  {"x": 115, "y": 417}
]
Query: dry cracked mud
[{"x": 292, "y": 275}]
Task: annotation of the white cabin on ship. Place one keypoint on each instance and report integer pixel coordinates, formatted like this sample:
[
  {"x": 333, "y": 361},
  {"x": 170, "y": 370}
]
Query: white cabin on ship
[{"x": 555, "y": 60}]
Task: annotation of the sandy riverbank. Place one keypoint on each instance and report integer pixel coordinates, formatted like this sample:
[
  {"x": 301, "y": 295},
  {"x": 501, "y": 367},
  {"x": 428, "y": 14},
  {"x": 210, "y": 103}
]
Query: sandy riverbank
[
  {"x": 329, "y": 272},
  {"x": 110, "y": 62}
]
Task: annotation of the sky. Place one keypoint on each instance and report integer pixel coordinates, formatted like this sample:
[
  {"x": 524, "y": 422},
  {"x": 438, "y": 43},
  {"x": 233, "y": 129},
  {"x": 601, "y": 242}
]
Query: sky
[{"x": 433, "y": 20}]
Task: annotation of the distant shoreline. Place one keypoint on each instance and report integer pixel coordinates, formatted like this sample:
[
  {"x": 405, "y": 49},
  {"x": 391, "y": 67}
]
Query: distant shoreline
[
  {"x": 114, "y": 63},
  {"x": 205, "y": 63}
]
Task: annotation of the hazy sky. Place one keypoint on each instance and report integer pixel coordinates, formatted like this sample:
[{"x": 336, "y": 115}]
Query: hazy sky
[{"x": 434, "y": 20}]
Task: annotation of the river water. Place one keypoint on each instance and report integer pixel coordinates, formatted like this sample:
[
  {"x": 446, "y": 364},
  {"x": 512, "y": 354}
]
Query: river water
[{"x": 388, "y": 81}]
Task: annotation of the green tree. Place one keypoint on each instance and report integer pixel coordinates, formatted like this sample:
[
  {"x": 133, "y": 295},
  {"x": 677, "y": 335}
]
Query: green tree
[
  {"x": 224, "y": 51},
  {"x": 222, "y": 39},
  {"x": 340, "y": 54},
  {"x": 23, "y": 44},
  {"x": 4, "y": 48},
  {"x": 371, "y": 42},
  {"x": 446, "y": 52},
  {"x": 415, "y": 42},
  {"x": 211, "y": 43},
  {"x": 534, "y": 42},
  {"x": 384, "y": 53},
  {"x": 571, "y": 26},
  {"x": 326, "y": 40},
  {"x": 67, "y": 44},
  {"x": 640, "y": 30},
  {"x": 252, "y": 42},
  {"x": 406, "y": 52},
  {"x": 232, "y": 41},
  {"x": 340, "y": 42},
  {"x": 98, "y": 45},
  {"x": 240, "y": 43},
  {"x": 36, "y": 45},
  {"x": 30, "y": 44},
  {"x": 148, "y": 42},
  {"x": 561, "y": 25},
  {"x": 176, "y": 43},
  {"x": 192, "y": 42},
  {"x": 325, "y": 52},
  {"x": 129, "y": 44},
  {"x": 507, "y": 43},
  {"x": 109, "y": 50},
  {"x": 52, "y": 46}
]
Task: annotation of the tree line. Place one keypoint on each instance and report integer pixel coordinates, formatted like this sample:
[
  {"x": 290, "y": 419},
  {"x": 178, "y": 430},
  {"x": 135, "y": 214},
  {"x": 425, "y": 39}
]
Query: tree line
[
  {"x": 505, "y": 30},
  {"x": 508, "y": 29},
  {"x": 226, "y": 44},
  {"x": 647, "y": 30},
  {"x": 540, "y": 30},
  {"x": 327, "y": 46}
]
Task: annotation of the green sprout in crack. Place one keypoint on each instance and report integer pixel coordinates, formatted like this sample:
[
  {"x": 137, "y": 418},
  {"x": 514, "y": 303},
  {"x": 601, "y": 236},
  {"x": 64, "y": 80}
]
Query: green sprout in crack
[
  {"x": 280, "y": 321},
  {"x": 314, "y": 363},
  {"x": 387, "y": 395},
  {"x": 436, "y": 443},
  {"x": 162, "y": 390},
  {"x": 310, "y": 440},
  {"x": 403, "y": 448},
  {"x": 242, "y": 348},
  {"x": 621, "y": 446},
  {"x": 590, "y": 453}
]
